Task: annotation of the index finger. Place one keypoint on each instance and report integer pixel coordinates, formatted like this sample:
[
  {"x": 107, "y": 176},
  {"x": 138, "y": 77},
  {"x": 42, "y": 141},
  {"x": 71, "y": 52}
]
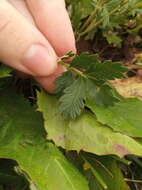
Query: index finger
[{"x": 52, "y": 19}]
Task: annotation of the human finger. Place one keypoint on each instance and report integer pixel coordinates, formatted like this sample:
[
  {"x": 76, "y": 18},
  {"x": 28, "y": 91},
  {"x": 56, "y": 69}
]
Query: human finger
[
  {"x": 22, "y": 46},
  {"x": 53, "y": 21}
]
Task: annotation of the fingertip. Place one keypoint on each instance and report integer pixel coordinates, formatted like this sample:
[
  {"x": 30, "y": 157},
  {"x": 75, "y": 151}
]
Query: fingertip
[
  {"x": 68, "y": 47},
  {"x": 40, "y": 60},
  {"x": 22, "y": 45},
  {"x": 48, "y": 83},
  {"x": 53, "y": 21}
]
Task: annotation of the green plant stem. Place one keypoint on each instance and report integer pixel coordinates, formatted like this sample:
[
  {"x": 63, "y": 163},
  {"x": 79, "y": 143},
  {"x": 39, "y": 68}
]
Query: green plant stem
[
  {"x": 93, "y": 24},
  {"x": 92, "y": 16},
  {"x": 104, "y": 167},
  {"x": 96, "y": 174},
  {"x": 77, "y": 71}
]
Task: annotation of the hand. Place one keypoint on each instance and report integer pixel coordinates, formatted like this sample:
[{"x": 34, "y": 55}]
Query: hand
[{"x": 32, "y": 34}]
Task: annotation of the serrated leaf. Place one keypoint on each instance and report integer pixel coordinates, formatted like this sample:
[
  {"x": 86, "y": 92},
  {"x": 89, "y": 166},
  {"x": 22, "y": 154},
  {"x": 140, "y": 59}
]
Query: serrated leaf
[
  {"x": 22, "y": 138},
  {"x": 86, "y": 77},
  {"x": 125, "y": 116},
  {"x": 104, "y": 96},
  {"x": 100, "y": 71},
  {"x": 113, "y": 39},
  {"x": 100, "y": 95},
  {"x": 85, "y": 133},
  {"x": 84, "y": 61},
  {"x": 62, "y": 82},
  {"x": 107, "y": 70},
  {"x": 72, "y": 101}
]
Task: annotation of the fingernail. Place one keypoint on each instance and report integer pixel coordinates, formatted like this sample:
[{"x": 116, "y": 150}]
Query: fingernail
[{"x": 40, "y": 61}]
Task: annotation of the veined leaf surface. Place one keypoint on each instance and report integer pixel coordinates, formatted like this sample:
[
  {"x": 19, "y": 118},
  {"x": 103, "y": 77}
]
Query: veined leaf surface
[
  {"x": 22, "y": 138},
  {"x": 85, "y": 133},
  {"x": 125, "y": 116}
]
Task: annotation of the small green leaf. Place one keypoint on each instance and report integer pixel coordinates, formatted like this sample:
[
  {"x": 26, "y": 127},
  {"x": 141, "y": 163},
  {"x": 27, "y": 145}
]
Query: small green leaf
[
  {"x": 72, "y": 101},
  {"x": 87, "y": 78},
  {"x": 80, "y": 10},
  {"x": 67, "y": 56},
  {"x": 100, "y": 95},
  {"x": 84, "y": 61},
  {"x": 62, "y": 82},
  {"x": 107, "y": 71}
]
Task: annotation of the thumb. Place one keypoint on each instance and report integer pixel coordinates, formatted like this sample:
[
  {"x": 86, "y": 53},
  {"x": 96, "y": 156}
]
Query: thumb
[{"x": 22, "y": 46}]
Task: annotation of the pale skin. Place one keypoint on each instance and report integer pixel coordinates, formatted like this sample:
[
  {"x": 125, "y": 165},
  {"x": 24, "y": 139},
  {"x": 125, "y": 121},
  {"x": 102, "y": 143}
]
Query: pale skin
[{"x": 33, "y": 34}]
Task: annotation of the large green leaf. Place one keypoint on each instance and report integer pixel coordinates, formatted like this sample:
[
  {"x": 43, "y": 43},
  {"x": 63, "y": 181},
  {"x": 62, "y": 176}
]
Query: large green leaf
[
  {"x": 22, "y": 138},
  {"x": 85, "y": 133},
  {"x": 125, "y": 116}
]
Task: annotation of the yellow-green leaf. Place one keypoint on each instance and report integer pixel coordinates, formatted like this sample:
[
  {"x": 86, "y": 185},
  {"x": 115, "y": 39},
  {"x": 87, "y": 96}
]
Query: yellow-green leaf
[
  {"x": 22, "y": 138},
  {"x": 85, "y": 133}
]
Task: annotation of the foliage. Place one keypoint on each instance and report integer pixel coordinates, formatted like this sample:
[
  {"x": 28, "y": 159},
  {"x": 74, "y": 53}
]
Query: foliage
[
  {"x": 22, "y": 138},
  {"x": 83, "y": 94},
  {"x": 85, "y": 136},
  {"x": 109, "y": 170},
  {"x": 85, "y": 133},
  {"x": 122, "y": 116},
  {"x": 107, "y": 16},
  {"x": 89, "y": 82}
]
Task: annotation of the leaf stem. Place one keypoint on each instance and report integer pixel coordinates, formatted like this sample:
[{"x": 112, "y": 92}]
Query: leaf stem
[
  {"x": 73, "y": 69},
  {"x": 77, "y": 71},
  {"x": 93, "y": 24},
  {"x": 99, "y": 5}
]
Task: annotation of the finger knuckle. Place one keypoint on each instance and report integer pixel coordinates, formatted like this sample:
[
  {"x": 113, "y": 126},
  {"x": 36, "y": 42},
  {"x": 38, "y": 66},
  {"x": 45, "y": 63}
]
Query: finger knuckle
[
  {"x": 5, "y": 18},
  {"x": 3, "y": 25}
]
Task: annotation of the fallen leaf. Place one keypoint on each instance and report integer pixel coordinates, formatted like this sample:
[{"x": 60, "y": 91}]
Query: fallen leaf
[{"x": 129, "y": 88}]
